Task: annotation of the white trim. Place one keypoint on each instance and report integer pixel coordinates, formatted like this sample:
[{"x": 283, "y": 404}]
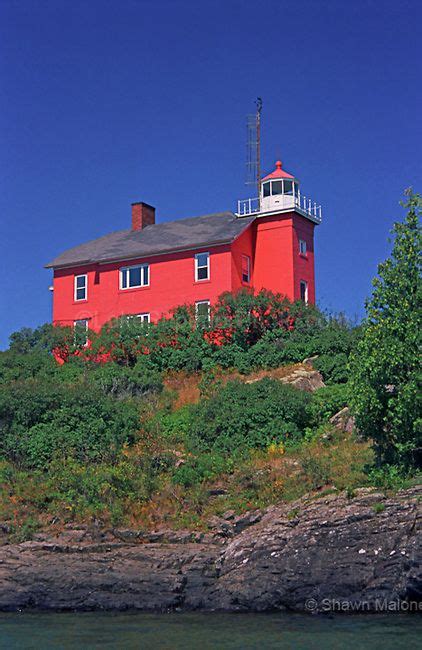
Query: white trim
[
  {"x": 145, "y": 317},
  {"x": 303, "y": 282},
  {"x": 126, "y": 270},
  {"x": 197, "y": 267},
  {"x": 76, "y": 288},
  {"x": 202, "y": 302},
  {"x": 302, "y": 245}
]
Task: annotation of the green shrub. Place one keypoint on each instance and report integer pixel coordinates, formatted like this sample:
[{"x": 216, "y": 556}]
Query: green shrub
[
  {"x": 390, "y": 477},
  {"x": 316, "y": 470},
  {"x": 40, "y": 420},
  {"x": 333, "y": 368},
  {"x": 378, "y": 507},
  {"x": 14, "y": 367},
  {"x": 243, "y": 416},
  {"x": 98, "y": 486},
  {"x": 123, "y": 381},
  {"x": 175, "y": 426},
  {"x": 202, "y": 468},
  {"x": 25, "y": 531},
  {"x": 227, "y": 356},
  {"x": 328, "y": 401}
]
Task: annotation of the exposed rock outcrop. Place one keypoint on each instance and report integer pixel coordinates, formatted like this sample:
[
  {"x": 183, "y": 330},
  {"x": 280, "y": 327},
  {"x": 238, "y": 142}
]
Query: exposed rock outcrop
[
  {"x": 359, "y": 549},
  {"x": 303, "y": 377},
  {"x": 344, "y": 420}
]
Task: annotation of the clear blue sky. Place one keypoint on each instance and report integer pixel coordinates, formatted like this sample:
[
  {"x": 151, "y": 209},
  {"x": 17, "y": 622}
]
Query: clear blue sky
[{"x": 105, "y": 103}]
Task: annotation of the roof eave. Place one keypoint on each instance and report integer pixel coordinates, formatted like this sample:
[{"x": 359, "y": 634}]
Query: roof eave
[{"x": 51, "y": 265}]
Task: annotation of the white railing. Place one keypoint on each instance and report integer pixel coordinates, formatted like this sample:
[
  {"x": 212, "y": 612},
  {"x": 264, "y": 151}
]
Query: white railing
[
  {"x": 310, "y": 207},
  {"x": 303, "y": 203},
  {"x": 247, "y": 206}
]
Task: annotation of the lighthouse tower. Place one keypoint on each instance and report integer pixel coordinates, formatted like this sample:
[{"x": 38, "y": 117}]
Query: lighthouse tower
[{"x": 285, "y": 221}]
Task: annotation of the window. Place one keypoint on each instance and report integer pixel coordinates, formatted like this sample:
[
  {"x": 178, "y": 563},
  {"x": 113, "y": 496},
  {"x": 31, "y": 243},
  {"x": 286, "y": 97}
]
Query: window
[
  {"x": 202, "y": 308},
  {"x": 80, "y": 328},
  {"x": 267, "y": 188},
  {"x": 81, "y": 287},
  {"x": 304, "y": 291},
  {"x": 246, "y": 268},
  {"x": 134, "y": 276},
  {"x": 288, "y": 187},
  {"x": 302, "y": 246},
  {"x": 277, "y": 187},
  {"x": 202, "y": 266},
  {"x": 144, "y": 318}
]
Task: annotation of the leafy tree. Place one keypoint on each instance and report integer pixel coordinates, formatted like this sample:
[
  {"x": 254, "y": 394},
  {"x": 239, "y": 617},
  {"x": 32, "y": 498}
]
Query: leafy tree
[
  {"x": 47, "y": 337},
  {"x": 386, "y": 366}
]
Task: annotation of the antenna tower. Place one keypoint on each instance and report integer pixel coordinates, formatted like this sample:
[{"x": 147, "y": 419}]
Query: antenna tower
[{"x": 253, "y": 146}]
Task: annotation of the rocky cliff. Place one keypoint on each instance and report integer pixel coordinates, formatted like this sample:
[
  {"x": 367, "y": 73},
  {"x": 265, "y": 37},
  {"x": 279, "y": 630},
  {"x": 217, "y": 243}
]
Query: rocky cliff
[{"x": 297, "y": 556}]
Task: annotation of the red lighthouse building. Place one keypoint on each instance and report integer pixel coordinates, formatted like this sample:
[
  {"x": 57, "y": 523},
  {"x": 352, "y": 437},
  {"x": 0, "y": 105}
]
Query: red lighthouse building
[{"x": 152, "y": 267}]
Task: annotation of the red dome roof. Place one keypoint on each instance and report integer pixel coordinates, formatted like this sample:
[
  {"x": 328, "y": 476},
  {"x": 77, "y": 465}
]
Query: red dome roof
[{"x": 278, "y": 172}]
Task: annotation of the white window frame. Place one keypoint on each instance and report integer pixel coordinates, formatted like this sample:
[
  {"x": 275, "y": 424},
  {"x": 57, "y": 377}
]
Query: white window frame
[
  {"x": 76, "y": 288},
  {"x": 125, "y": 271},
  {"x": 77, "y": 322},
  {"x": 303, "y": 250},
  {"x": 303, "y": 282},
  {"x": 202, "y": 302},
  {"x": 197, "y": 267},
  {"x": 145, "y": 317},
  {"x": 248, "y": 260}
]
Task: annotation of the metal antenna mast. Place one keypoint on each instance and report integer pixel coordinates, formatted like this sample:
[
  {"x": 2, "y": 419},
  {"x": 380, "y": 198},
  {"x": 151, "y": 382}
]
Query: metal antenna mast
[{"x": 253, "y": 146}]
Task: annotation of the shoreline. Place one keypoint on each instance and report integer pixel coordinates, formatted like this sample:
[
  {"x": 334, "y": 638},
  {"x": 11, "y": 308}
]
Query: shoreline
[{"x": 294, "y": 557}]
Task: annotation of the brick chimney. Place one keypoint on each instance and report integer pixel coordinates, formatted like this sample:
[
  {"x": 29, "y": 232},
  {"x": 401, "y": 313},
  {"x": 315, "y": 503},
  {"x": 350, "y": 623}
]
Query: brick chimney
[{"x": 142, "y": 215}]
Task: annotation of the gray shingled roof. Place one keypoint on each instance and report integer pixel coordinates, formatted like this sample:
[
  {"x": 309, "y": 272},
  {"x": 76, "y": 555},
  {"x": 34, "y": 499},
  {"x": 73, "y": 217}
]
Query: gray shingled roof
[{"x": 194, "y": 232}]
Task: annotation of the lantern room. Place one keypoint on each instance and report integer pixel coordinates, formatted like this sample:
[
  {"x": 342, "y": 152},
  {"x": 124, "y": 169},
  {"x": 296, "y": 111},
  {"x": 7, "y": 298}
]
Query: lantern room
[{"x": 279, "y": 190}]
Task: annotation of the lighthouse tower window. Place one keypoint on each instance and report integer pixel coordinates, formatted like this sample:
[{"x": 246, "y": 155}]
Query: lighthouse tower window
[
  {"x": 246, "y": 269},
  {"x": 277, "y": 187},
  {"x": 302, "y": 246},
  {"x": 304, "y": 291},
  {"x": 267, "y": 188}
]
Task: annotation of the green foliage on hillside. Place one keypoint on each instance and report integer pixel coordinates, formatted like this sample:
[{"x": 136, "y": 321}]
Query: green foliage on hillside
[
  {"x": 88, "y": 408},
  {"x": 43, "y": 419},
  {"x": 242, "y": 416},
  {"x": 100, "y": 435}
]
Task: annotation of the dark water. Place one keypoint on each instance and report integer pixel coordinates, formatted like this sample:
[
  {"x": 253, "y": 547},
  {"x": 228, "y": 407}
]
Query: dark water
[{"x": 209, "y": 631}]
